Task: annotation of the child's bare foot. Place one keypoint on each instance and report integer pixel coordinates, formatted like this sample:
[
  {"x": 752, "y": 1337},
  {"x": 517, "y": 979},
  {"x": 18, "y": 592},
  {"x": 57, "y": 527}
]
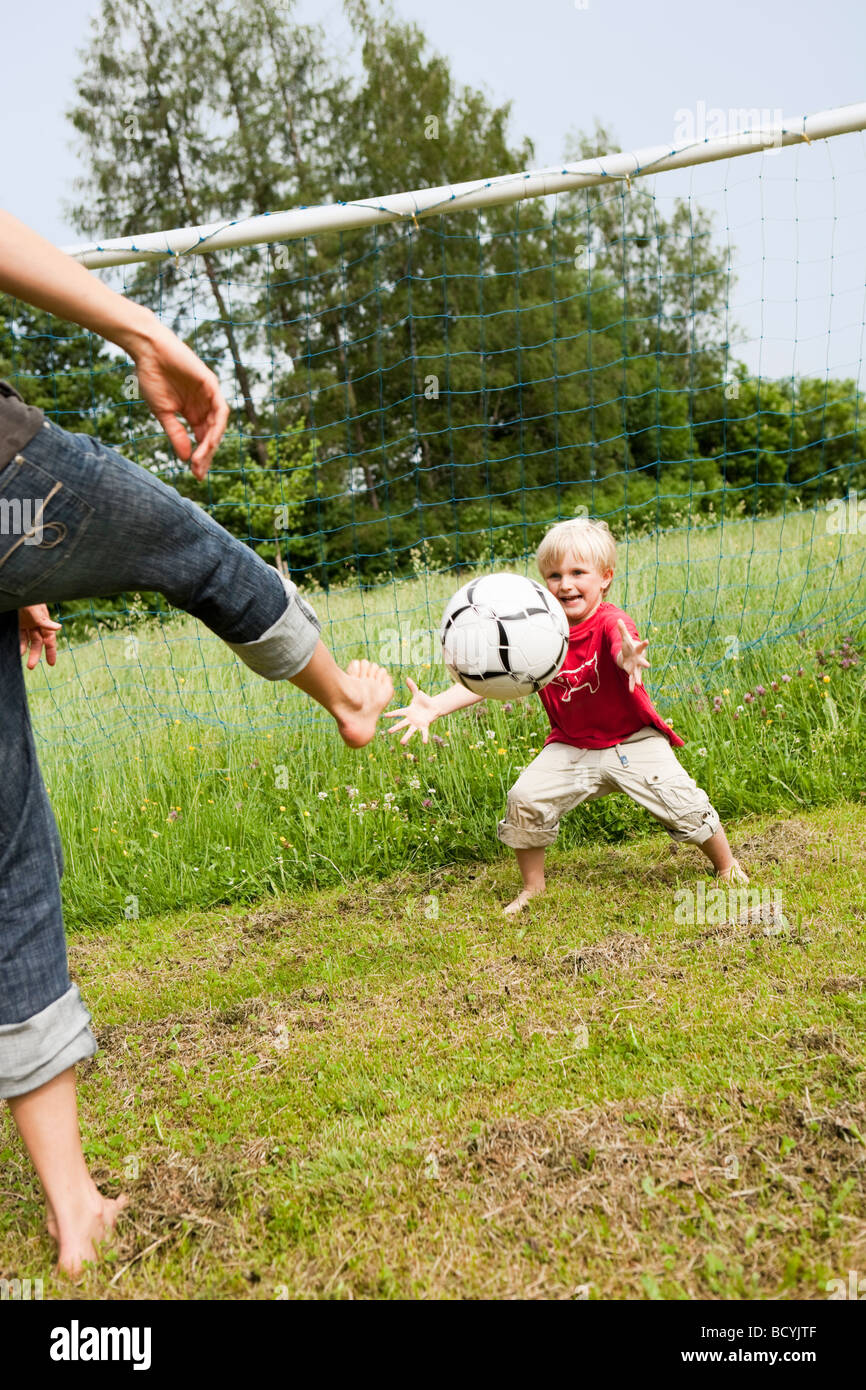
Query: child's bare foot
[
  {"x": 519, "y": 903},
  {"x": 735, "y": 873},
  {"x": 82, "y": 1229},
  {"x": 369, "y": 690}
]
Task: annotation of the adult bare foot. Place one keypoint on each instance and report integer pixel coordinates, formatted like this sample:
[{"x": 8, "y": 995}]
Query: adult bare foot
[
  {"x": 369, "y": 688},
  {"x": 519, "y": 903},
  {"x": 81, "y": 1230}
]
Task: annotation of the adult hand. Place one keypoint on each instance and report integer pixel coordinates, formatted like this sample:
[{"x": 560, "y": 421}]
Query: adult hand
[
  {"x": 172, "y": 379},
  {"x": 631, "y": 656},
  {"x": 175, "y": 382},
  {"x": 38, "y": 633},
  {"x": 418, "y": 715}
]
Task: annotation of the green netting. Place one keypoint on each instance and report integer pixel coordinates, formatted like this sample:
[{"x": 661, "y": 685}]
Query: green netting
[{"x": 682, "y": 357}]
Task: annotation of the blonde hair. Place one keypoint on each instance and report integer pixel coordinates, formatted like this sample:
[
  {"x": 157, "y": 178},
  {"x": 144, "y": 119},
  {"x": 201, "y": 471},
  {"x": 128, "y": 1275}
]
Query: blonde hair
[{"x": 587, "y": 540}]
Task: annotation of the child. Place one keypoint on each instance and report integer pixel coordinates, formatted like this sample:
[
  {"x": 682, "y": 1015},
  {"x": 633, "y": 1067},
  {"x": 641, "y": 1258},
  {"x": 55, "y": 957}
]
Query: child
[{"x": 605, "y": 736}]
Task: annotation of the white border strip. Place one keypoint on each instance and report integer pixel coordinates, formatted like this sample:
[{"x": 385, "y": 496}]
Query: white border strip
[{"x": 426, "y": 202}]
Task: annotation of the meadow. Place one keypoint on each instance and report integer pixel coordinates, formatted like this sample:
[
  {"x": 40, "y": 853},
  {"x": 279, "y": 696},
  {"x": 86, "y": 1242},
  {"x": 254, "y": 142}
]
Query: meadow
[{"x": 330, "y": 1068}]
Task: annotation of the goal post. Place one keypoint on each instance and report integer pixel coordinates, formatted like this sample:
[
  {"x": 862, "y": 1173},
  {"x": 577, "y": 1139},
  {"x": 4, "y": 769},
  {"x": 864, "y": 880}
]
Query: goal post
[{"x": 422, "y": 382}]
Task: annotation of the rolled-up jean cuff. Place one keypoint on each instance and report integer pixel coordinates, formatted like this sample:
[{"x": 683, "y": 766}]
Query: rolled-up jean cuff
[
  {"x": 286, "y": 647},
  {"x": 40, "y": 1048},
  {"x": 517, "y": 838}
]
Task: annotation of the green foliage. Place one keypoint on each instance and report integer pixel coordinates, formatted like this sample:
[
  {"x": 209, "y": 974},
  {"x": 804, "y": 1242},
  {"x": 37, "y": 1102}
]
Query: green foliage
[{"x": 448, "y": 386}]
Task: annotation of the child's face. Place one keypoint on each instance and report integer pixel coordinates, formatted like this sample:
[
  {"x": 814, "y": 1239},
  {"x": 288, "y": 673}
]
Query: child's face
[{"x": 578, "y": 585}]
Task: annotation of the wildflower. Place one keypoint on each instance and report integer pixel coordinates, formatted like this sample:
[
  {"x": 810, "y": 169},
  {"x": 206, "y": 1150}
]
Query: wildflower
[
  {"x": 283, "y": 840},
  {"x": 736, "y": 714},
  {"x": 508, "y": 707},
  {"x": 491, "y": 733},
  {"x": 254, "y": 763},
  {"x": 282, "y": 808},
  {"x": 726, "y": 691},
  {"x": 741, "y": 709},
  {"x": 351, "y": 792},
  {"x": 437, "y": 739},
  {"x": 155, "y": 834},
  {"x": 415, "y": 783},
  {"x": 389, "y": 796},
  {"x": 426, "y": 803},
  {"x": 759, "y": 690},
  {"x": 173, "y": 815},
  {"x": 702, "y": 752},
  {"x": 826, "y": 680},
  {"x": 748, "y": 697},
  {"x": 785, "y": 680},
  {"x": 501, "y": 752},
  {"x": 801, "y": 670},
  {"x": 323, "y": 796},
  {"x": 306, "y": 813},
  {"x": 781, "y": 707},
  {"x": 431, "y": 791},
  {"x": 845, "y": 663}
]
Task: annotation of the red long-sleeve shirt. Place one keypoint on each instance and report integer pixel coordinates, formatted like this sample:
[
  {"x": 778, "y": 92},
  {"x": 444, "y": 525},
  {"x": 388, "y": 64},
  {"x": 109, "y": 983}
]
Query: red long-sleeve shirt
[{"x": 589, "y": 703}]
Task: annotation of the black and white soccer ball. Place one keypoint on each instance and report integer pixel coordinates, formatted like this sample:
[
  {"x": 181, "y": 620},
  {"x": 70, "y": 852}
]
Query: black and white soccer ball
[{"x": 504, "y": 636}]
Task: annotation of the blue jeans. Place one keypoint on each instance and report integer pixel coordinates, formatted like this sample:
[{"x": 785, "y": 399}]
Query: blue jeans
[{"x": 77, "y": 520}]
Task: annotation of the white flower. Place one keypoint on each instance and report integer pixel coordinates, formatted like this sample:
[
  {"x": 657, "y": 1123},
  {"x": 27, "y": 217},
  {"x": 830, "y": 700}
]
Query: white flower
[
  {"x": 491, "y": 733},
  {"x": 741, "y": 709},
  {"x": 779, "y": 707},
  {"x": 352, "y": 791},
  {"x": 323, "y": 796},
  {"x": 431, "y": 791},
  {"x": 415, "y": 782},
  {"x": 702, "y": 752},
  {"x": 389, "y": 796}
]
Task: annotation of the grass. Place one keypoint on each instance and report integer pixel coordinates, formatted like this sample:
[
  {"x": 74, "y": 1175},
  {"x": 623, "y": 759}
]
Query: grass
[
  {"x": 329, "y": 1067},
  {"x": 390, "y": 1090}
]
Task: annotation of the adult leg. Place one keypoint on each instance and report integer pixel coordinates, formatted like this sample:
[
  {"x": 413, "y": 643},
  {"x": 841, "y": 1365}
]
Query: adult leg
[
  {"x": 78, "y": 1216},
  {"x": 43, "y": 1023},
  {"x": 109, "y": 526}
]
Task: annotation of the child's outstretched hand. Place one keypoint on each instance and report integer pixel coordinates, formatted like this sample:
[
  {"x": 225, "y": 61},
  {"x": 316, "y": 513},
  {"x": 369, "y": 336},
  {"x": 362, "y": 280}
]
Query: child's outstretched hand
[
  {"x": 418, "y": 715},
  {"x": 631, "y": 656}
]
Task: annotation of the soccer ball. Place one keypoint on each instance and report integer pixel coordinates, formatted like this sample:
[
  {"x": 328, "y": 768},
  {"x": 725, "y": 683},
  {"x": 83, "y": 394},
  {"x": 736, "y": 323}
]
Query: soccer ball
[{"x": 504, "y": 636}]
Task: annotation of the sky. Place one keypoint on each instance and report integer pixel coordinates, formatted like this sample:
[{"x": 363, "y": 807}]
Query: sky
[{"x": 636, "y": 65}]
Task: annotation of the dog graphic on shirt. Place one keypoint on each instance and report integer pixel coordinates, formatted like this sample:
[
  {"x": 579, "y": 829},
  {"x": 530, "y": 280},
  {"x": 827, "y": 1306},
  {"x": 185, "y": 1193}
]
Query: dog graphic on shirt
[{"x": 584, "y": 677}]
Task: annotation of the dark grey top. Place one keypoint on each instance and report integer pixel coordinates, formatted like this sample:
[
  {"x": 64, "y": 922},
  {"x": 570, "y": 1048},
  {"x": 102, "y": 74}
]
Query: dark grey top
[{"x": 18, "y": 422}]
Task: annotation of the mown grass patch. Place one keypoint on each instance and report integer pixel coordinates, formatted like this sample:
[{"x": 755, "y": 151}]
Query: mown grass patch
[{"x": 386, "y": 1088}]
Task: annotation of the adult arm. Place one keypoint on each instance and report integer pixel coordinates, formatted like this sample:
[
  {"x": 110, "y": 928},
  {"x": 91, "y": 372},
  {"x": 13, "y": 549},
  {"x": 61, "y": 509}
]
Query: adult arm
[{"x": 170, "y": 377}]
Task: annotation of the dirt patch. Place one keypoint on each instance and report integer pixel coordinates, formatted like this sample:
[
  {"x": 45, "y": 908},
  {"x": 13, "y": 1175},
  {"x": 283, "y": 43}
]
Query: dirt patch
[
  {"x": 614, "y": 953},
  {"x": 844, "y": 984},
  {"x": 783, "y": 840},
  {"x": 687, "y": 1171}
]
